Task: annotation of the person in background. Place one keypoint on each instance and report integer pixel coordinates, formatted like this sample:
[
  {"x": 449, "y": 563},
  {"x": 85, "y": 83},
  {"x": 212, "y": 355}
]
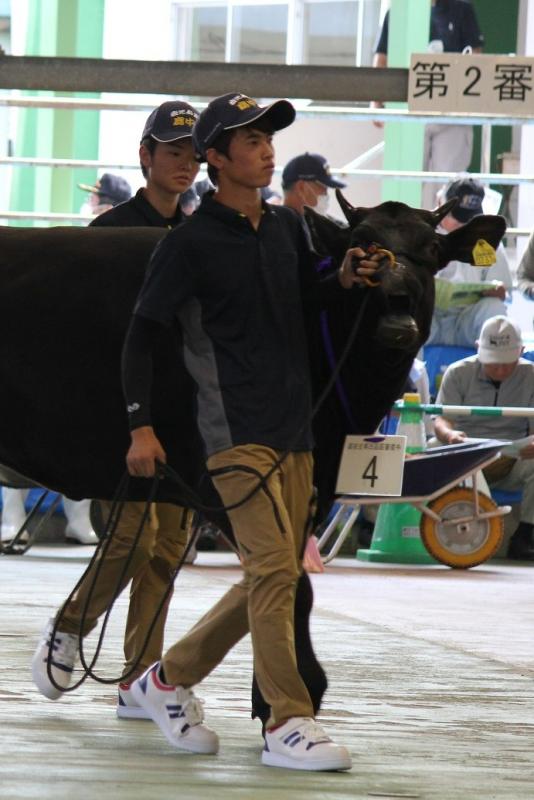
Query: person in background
[
  {"x": 189, "y": 201},
  {"x": 453, "y": 29},
  {"x": 169, "y": 167},
  {"x": 202, "y": 186},
  {"x": 496, "y": 376},
  {"x": 459, "y": 324},
  {"x": 107, "y": 192},
  {"x": 78, "y": 528},
  {"x": 305, "y": 182},
  {"x": 270, "y": 196}
]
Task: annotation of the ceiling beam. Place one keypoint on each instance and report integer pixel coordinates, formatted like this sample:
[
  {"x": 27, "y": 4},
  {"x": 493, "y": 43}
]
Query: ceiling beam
[{"x": 202, "y": 79}]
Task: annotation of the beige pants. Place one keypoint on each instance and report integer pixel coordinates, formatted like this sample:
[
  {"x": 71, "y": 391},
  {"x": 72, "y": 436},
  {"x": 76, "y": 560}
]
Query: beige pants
[
  {"x": 270, "y": 529},
  {"x": 158, "y": 551}
]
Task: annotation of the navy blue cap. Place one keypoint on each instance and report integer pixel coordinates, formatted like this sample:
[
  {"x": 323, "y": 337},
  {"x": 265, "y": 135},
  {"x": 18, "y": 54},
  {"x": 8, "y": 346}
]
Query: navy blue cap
[
  {"x": 234, "y": 110},
  {"x": 170, "y": 121},
  {"x": 110, "y": 189},
  {"x": 309, "y": 167},
  {"x": 470, "y": 194}
]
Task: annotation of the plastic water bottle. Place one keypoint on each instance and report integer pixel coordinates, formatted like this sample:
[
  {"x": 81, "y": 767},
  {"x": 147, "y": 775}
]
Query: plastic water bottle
[{"x": 411, "y": 423}]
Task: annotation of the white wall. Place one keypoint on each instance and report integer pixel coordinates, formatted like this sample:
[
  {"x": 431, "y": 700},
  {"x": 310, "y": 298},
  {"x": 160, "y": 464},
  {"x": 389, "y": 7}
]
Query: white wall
[{"x": 133, "y": 30}]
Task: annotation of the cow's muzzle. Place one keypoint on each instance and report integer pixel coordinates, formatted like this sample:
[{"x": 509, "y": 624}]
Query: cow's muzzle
[{"x": 397, "y": 331}]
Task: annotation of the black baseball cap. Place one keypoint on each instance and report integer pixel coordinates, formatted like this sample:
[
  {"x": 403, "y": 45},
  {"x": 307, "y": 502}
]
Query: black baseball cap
[
  {"x": 309, "y": 167},
  {"x": 109, "y": 188},
  {"x": 234, "y": 110},
  {"x": 470, "y": 194},
  {"x": 170, "y": 121}
]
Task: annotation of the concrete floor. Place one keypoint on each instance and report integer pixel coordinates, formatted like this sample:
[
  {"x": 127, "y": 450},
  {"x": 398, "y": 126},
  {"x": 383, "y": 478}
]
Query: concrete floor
[{"x": 431, "y": 687}]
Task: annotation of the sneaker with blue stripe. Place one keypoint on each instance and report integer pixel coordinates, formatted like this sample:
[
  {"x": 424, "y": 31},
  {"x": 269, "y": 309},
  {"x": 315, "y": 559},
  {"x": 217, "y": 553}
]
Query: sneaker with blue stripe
[
  {"x": 64, "y": 650},
  {"x": 127, "y": 706},
  {"x": 300, "y": 743},
  {"x": 177, "y": 712}
]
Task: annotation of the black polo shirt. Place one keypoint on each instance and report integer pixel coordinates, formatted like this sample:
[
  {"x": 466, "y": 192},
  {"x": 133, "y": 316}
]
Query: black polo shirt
[
  {"x": 451, "y": 21},
  {"x": 136, "y": 212},
  {"x": 237, "y": 293}
]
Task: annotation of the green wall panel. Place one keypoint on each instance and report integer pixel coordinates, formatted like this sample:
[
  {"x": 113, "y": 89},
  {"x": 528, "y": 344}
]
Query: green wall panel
[
  {"x": 68, "y": 28},
  {"x": 408, "y": 33},
  {"x": 499, "y": 23}
]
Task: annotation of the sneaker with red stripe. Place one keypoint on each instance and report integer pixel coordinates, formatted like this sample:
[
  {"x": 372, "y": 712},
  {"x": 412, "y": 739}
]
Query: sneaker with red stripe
[
  {"x": 127, "y": 706},
  {"x": 177, "y": 712}
]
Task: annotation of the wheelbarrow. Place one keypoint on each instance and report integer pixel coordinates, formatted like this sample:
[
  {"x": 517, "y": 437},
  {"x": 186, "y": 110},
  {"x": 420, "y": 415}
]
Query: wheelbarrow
[{"x": 460, "y": 525}]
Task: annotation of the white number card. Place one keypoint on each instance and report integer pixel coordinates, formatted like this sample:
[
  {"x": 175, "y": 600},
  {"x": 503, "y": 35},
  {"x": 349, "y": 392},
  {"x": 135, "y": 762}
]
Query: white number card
[{"x": 372, "y": 465}]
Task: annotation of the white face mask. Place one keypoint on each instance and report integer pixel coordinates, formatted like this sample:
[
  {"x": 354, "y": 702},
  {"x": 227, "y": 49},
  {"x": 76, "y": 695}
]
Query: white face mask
[{"x": 322, "y": 203}]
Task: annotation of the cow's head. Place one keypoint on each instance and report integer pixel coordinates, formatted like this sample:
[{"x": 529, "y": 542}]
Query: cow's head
[{"x": 419, "y": 252}]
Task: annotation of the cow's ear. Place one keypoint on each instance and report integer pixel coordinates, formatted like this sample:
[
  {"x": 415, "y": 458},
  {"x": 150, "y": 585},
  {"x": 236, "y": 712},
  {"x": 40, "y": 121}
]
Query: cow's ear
[
  {"x": 329, "y": 238},
  {"x": 353, "y": 214},
  {"x": 434, "y": 217},
  {"x": 459, "y": 244}
]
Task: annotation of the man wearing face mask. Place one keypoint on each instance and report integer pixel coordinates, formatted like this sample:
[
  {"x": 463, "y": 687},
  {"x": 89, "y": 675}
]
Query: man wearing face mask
[{"x": 305, "y": 181}]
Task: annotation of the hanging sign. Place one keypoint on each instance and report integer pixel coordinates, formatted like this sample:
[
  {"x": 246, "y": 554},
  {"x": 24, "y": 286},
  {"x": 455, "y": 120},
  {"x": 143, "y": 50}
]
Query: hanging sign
[
  {"x": 477, "y": 84},
  {"x": 372, "y": 465}
]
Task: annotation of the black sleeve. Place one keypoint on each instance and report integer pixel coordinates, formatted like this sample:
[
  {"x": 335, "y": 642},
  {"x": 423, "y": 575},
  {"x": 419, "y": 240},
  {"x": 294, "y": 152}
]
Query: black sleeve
[
  {"x": 381, "y": 45},
  {"x": 169, "y": 281},
  {"x": 137, "y": 365}
]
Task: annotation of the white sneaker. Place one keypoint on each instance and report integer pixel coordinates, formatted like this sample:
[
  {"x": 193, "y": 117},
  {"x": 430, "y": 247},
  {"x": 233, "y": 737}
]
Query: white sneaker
[
  {"x": 127, "y": 706},
  {"x": 83, "y": 536},
  {"x": 64, "y": 652},
  {"x": 300, "y": 743},
  {"x": 79, "y": 527},
  {"x": 176, "y": 710},
  {"x": 191, "y": 556}
]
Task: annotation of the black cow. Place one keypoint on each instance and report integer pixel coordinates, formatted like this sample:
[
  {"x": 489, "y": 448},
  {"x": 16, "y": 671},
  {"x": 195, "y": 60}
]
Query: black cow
[
  {"x": 66, "y": 298},
  {"x": 395, "y": 322}
]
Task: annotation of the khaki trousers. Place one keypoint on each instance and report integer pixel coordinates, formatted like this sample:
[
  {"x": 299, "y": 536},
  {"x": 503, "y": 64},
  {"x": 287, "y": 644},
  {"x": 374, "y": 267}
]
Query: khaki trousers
[
  {"x": 270, "y": 530},
  {"x": 156, "y": 556}
]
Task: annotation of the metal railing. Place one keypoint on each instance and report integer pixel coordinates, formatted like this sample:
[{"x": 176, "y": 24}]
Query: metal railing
[{"x": 346, "y": 85}]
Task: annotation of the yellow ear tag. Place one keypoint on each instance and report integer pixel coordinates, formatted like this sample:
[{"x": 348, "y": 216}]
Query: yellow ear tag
[{"x": 483, "y": 254}]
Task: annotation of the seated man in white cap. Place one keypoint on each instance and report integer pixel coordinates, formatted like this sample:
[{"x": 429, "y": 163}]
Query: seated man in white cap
[
  {"x": 306, "y": 180},
  {"x": 497, "y": 376},
  {"x": 460, "y": 322}
]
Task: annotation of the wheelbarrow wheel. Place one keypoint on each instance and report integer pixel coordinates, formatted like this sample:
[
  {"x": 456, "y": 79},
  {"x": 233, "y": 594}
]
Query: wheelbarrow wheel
[{"x": 467, "y": 543}]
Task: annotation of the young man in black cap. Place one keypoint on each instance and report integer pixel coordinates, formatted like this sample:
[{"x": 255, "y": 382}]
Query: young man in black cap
[
  {"x": 306, "y": 180},
  {"x": 168, "y": 162},
  {"x": 235, "y": 277},
  {"x": 169, "y": 168}
]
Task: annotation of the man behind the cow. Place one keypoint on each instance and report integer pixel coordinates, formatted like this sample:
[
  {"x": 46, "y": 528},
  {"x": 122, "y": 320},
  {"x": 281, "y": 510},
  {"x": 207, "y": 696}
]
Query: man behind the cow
[
  {"x": 306, "y": 180},
  {"x": 169, "y": 168},
  {"x": 460, "y": 323},
  {"x": 496, "y": 376},
  {"x": 234, "y": 278}
]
